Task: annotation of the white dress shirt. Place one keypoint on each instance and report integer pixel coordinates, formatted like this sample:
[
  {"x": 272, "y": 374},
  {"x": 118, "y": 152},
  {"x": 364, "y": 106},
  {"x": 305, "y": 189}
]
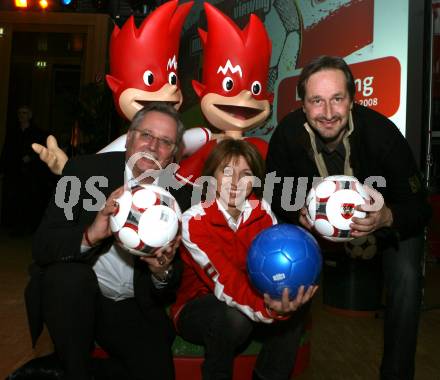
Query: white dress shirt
[
  {"x": 244, "y": 214},
  {"x": 114, "y": 268}
]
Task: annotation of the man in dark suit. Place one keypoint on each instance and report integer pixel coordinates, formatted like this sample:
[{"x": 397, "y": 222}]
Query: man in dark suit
[{"x": 87, "y": 289}]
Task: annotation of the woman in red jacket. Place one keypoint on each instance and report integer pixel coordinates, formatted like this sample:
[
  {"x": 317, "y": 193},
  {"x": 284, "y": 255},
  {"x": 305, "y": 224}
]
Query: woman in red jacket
[{"x": 216, "y": 305}]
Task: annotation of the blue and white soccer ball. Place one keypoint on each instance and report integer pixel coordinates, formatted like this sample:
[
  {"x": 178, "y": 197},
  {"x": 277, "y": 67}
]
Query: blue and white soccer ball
[
  {"x": 283, "y": 256},
  {"x": 147, "y": 218}
]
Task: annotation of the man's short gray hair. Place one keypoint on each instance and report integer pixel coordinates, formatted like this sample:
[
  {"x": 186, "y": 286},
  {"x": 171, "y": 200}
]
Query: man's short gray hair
[{"x": 162, "y": 107}]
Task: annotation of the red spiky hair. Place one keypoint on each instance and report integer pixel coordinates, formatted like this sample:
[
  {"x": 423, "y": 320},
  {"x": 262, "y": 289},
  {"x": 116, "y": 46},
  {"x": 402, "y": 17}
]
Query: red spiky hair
[
  {"x": 154, "y": 47},
  {"x": 248, "y": 49}
]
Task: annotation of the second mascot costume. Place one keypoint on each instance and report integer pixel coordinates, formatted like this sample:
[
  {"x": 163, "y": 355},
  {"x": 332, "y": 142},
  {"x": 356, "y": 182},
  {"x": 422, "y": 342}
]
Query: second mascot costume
[{"x": 233, "y": 90}]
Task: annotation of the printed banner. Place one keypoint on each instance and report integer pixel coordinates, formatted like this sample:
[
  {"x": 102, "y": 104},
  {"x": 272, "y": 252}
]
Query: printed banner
[{"x": 372, "y": 36}]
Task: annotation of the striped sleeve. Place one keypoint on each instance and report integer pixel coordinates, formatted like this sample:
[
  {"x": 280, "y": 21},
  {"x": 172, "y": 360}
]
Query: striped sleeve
[{"x": 228, "y": 283}]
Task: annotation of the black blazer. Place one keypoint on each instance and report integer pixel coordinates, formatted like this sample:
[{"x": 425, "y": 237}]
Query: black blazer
[{"x": 86, "y": 182}]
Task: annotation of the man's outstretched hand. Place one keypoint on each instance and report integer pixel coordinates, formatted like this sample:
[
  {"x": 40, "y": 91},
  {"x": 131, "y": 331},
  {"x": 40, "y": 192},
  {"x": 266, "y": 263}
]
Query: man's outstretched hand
[{"x": 51, "y": 154}]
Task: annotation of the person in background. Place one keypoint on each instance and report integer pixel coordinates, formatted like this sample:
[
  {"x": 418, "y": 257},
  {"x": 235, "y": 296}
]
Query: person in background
[
  {"x": 27, "y": 183},
  {"x": 332, "y": 135},
  {"x": 216, "y": 305}
]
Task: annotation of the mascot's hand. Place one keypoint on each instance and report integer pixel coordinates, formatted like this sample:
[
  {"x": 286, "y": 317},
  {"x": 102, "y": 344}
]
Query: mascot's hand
[{"x": 52, "y": 155}]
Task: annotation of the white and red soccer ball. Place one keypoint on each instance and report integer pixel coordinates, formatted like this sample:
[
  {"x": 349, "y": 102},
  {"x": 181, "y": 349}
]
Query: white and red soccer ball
[
  {"x": 147, "y": 218},
  {"x": 331, "y": 206}
]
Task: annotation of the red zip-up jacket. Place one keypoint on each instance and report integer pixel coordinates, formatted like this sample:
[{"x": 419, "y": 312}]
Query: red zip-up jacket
[{"x": 214, "y": 256}]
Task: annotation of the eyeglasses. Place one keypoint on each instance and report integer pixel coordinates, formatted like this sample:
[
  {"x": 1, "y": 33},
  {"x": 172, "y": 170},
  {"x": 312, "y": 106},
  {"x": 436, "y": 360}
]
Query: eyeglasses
[{"x": 147, "y": 136}]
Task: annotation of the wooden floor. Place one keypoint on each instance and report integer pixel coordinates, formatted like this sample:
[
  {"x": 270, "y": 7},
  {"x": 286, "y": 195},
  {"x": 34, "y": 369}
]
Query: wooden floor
[{"x": 343, "y": 348}]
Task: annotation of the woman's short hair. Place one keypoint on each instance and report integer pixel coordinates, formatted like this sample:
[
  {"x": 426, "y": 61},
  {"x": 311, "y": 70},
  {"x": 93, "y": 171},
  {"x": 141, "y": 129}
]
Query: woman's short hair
[
  {"x": 230, "y": 149},
  {"x": 325, "y": 62}
]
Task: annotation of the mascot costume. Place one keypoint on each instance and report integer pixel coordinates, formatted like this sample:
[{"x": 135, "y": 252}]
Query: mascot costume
[
  {"x": 233, "y": 91},
  {"x": 143, "y": 68}
]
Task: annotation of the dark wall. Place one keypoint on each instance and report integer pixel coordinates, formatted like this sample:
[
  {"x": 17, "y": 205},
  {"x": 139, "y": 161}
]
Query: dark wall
[{"x": 418, "y": 86}]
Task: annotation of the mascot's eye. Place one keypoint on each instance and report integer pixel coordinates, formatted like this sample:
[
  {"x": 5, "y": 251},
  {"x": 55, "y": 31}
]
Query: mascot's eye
[
  {"x": 256, "y": 88},
  {"x": 228, "y": 84},
  {"x": 172, "y": 78},
  {"x": 148, "y": 78}
]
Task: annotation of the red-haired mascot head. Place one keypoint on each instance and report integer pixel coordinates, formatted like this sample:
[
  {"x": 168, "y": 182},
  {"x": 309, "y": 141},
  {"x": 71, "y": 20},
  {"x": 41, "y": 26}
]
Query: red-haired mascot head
[
  {"x": 143, "y": 62},
  {"x": 233, "y": 90}
]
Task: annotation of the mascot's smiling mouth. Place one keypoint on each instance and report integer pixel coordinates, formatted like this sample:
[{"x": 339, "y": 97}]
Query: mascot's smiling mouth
[
  {"x": 144, "y": 103},
  {"x": 239, "y": 112}
]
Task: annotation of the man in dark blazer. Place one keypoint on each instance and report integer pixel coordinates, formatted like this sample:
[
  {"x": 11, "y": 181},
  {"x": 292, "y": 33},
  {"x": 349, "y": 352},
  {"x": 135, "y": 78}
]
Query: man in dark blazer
[{"x": 85, "y": 288}]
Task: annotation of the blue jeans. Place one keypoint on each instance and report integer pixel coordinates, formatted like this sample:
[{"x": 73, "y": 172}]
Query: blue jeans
[
  {"x": 223, "y": 330},
  {"x": 402, "y": 270}
]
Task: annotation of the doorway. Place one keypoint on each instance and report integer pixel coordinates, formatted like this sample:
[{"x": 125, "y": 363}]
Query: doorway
[{"x": 45, "y": 74}]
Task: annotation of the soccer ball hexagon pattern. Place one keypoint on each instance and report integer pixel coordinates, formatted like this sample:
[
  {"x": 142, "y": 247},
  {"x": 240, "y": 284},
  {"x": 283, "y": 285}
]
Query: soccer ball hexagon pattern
[
  {"x": 283, "y": 256},
  {"x": 147, "y": 217}
]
